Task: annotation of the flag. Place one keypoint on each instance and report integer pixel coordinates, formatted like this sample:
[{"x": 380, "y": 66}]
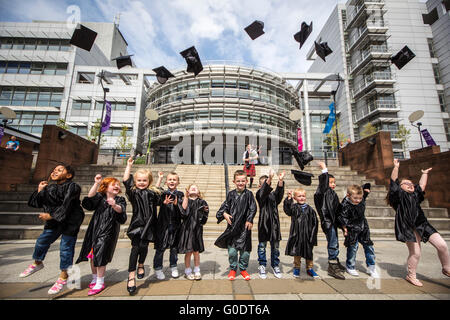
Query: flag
[
  {"x": 331, "y": 118},
  {"x": 299, "y": 139},
  {"x": 106, "y": 123},
  {"x": 428, "y": 138},
  {"x": 149, "y": 141}
]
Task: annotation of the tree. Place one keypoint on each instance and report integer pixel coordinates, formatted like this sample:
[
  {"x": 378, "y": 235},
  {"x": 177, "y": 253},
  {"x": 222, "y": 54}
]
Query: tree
[
  {"x": 62, "y": 124},
  {"x": 95, "y": 131},
  {"x": 403, "y": 134},
  {"x": 124, "y": 142},
  {"x": 331, "y": 137},
  {"x": 368, "y": 130}
]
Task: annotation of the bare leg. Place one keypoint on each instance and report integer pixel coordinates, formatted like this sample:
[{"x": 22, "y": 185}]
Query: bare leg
[
  {"x": 442, "y": 249},
  {"x": 101, "y": 271},
  {"x": 197, "y": 259},
  {"x": 187, "y": 260},
  {"x": 413, "y": 260}
]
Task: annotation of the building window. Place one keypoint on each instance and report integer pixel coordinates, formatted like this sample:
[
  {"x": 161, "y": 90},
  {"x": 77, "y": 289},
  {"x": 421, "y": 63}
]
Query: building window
[
  {"x": 22, "y": 96},
  {"x": 86, "y": 77},
  {"x": 437, "y": 75},
  {"x": 431, "y": 48},
  {"x": 34, "y": 44},
  {"x": 119, "y": 106},
  {"x": 33, "y": 67},
  {"x": 447, "y": 128},
  {"x": 32, "y": 122},
  {"x": 441, "y": 97}
]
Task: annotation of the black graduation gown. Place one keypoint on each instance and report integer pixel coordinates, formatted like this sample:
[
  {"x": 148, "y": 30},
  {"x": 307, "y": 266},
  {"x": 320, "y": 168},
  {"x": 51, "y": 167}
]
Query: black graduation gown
[
  {"x": 327, "y": 204},
  {"x": 409, "y": 215},
  {"x": 269, "y": 220},
  {"x": 242, "y": 207},
  {"x": 169, "y": 217},
  {"x": 144, "y": 218},
  {"x": 303, "y": 231},
  {"x": 62, "y": 202},
  {"x": 191, "y": 230},
  {"x": 353, "y": 218},
  {"x": 103, "y": 230}
]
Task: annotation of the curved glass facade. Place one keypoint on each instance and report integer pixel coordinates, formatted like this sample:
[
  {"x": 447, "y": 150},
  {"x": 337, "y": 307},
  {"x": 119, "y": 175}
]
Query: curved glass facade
[{"x": 226, "y": 99}]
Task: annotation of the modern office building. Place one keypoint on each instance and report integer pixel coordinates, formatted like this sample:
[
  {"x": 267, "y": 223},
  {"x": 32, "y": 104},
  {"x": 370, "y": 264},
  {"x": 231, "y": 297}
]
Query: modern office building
[{"x": 363, "y": 35}]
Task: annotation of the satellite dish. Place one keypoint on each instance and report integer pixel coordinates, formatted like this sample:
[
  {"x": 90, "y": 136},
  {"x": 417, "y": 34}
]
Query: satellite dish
[
  {"x": 416, "y": 115},
  {"x": 151, "y": 114},
  {"x": 7, "y": 113},
  {"x": 296, "y": 115}
]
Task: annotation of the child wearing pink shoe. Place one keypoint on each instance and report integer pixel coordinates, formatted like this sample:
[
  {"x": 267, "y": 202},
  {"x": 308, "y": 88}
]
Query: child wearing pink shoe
[
  {"x": 411, "y": 225},
  {"x": 103, "y": 230},
  {"x": 63, "y": 215}
]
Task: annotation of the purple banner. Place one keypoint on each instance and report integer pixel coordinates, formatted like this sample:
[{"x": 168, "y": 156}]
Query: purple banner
[
  {"x": 428, "y": 138},
  {"x": 1, "y": 133},
  {"x": 106, "y": 123}
]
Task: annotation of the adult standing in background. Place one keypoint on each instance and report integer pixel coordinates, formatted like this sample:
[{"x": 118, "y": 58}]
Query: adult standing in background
[{"x": 250, "y": 158}]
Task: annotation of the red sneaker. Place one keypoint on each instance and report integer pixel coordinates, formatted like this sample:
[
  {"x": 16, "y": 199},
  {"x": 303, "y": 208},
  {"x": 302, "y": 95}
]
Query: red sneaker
[
  {"x": 232, "y": 275},
  {"x": 245, "y": 275}
]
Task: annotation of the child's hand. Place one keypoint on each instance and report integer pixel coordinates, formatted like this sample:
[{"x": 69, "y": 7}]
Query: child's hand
[
  {"x": 426, "y": 171},
  {"x": 290, "y": 194},
  {"x": 322, "y": 165},
  {"x": 206, "y": 209},
  {"x": 98, "y": 178},
  {"x": 248, "y": 225},
  {"x": 160, "y": 174},
  {"x": 367, "y": 190},
  {"x": 228, "y": 218},
  {"x": 271, "y": 173},
  {"x": 42, "y": 185},
  {"x": 111, "y": 202},
  {"x": 396, "y": 163},
  {"x": 168, "y": 200},
  {"x": 345, "y": 232},
  {"x": 130, "y": 161},
  {"x": 281, "y": 175},
  {"x": 45, "y": 216}
]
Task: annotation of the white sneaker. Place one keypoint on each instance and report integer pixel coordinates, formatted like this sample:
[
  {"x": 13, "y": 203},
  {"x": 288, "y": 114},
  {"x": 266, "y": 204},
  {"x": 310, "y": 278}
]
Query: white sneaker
[
  {"x": 189, "y": 276},
  {"x": 175, "y": 273},
  {"x": 32, "y": 268},
  {"x": 373, "y": 272},
  {"x": 160, "y": 274},
  {"x": 197, "y": 276},
  {"x": 262, "y": 272},
  {"x": 353, "y": 272},
  {"x": 277, "y": 272}
]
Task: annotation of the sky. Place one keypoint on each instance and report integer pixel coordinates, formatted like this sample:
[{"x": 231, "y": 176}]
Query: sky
[{"x": 157, "y": 30}]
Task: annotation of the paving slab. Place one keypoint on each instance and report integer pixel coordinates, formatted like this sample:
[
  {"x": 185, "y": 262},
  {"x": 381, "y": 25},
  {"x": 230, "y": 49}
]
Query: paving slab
[
  {"x": 358, "y": 286},
  {"x": 353, "y": 296},
  {"x": 172, "y": 297},
  {"x": 223, "y": 297},
  {"x": 241, "y": 287},
  {"x": 277, "y": 297},
  {"x": 311, "y": 286},
  {"x": 435, "y": 286},
  {"x": 212, "y": 287},
  {"x": 161, "y": 288},
  {"x": 12, "y": 289},
  {"x": 409, "y": 297},
  {"x": 326, "y": 296},
  {"x": 243, "y": 297}
]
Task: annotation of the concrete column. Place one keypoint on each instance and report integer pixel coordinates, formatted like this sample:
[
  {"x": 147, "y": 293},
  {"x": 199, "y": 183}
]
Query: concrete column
[{"x": 307, "y": 128}]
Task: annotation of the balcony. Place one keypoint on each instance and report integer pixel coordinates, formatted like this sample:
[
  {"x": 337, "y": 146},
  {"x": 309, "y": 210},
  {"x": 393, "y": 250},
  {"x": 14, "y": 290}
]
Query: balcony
[
  {"x": 354, "y": 16},
  {"x": 371, "y": 32},
  {"x": 372, "y": 52},
  {"x": 373, "y": 79},
  {"x": 374, "y": 107}
]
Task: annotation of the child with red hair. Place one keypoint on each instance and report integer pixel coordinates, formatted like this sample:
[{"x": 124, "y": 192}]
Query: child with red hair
[{"x": 103, "y": 230}]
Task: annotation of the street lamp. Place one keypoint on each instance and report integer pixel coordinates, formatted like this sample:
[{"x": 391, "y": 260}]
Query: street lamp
[
  {"x": 335, "y": 77},
  {"x": 104, "y": 76},
  {"x": 151, "y": 115}
]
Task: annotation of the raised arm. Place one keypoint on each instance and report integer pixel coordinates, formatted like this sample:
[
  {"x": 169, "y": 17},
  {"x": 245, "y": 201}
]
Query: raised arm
[
  {"x": 424, "y": 178},
  {"x": 323, "y": 179},
  {"x": 126, "y": 174},
  {"x": 394, "y": 174},
  {"x": 160, "y": 177},
  {"x": 94, "y": 188}
]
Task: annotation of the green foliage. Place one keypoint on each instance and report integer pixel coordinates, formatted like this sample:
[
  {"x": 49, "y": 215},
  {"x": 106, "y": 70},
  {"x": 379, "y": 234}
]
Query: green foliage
[
  {"x": 95, "y": 131},
  {"x": 62, "y": 124},
  {"x": 124, "y": 143},
  {"x": 368, "y": 130},
  {"x": 403, "y": 134},
  {"x": 331, "y": 137}
]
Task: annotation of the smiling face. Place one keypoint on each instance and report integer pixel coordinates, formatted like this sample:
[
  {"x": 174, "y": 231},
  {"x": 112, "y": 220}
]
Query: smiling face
[
  {"x": 332, "y": 183},
  {"x": 113, "y": 188},
  {"x": 172, "y": 181},
  {"x": 300, "y": 196},
  {"x": 240, "y": 181},
  {"x": 142, "y": 181},
  {"x": 193, "y": 191},
  {"x": 60, "y": 174},
  {"x": 407, "y": 185}
]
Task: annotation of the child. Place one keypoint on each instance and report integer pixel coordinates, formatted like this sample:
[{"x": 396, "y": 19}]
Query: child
[
  {"x": 103, "y": 230},
  {"x": 63, "y": 217},
  {"x": 356, "y": 228},
  {"x": 142, "y": 229},
  {"x": 328, "y": 206},
  {"x": 167, "y": 227},
  {"x": 194, "y": 212},
  {"x": 303, "y": 231},
  {"x": 238, "y": 210},
  {"x": 411, "y": 225},
  {"x": 269, "y": 222}
]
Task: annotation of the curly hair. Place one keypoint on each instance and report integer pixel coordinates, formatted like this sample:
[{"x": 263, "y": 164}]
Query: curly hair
[
  {"x": 148, "y": 173},
  {"x": 106, "y": 182}
]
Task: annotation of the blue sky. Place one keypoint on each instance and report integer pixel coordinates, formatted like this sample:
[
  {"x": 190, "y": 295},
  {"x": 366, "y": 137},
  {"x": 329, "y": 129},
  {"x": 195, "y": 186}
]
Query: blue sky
[{"x": 157, "y": 30}]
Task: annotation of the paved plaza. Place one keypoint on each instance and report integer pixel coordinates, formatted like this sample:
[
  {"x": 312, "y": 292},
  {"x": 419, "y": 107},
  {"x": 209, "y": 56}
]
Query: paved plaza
[{"x": 390, "y": 256}]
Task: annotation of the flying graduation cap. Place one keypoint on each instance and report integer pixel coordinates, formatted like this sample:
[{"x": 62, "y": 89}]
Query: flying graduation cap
[
  {"x": 304, "y": 33},
  {"x": 302, "y": 177},
  {"x": 446, "y": 3},
  {"x": 83, "y": 37},
  {"x": 366, "y": 186},
  {"x": 123, "y": 61},
  {"x": 193, "y": 60},
  {"x": 402, "y": 57},
  {"x": 255, "y": 29},
  {"x": 302, "y": 158},
  {"x": 430, "y": 17},
  {"x": 162, "y": 74},
  {"x": 322, "y": 49}
]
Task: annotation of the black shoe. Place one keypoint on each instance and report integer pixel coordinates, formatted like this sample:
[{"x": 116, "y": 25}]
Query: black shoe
[
  {"x": 335, "y": 271},
  {"x": 141, "y": 275},
  {"x": 131, "y": 290},
  {"x": 341, "y": 267}
]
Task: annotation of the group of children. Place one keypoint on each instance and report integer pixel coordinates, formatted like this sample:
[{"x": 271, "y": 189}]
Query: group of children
[{"x": 179, "y": 224}]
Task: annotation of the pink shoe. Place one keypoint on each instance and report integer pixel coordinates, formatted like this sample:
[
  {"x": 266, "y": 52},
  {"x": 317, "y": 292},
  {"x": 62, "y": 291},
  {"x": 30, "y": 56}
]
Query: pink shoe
[
  {"x": 91, "y": 285},
  {"x": 96, "y": 291},
  {"x": 414, "y": 281},
  {"x": 32, "y": 268},
  {"x": 57, "y": 287}
]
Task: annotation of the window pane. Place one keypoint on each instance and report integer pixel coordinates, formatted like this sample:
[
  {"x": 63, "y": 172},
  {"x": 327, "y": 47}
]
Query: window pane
[
  {"x": 53, "y": 45},
  {"x": 2, "y": 66},
  {"x": 30, "y": 44},
  {"x": 25, "y": 67},
  {"x": 36, "y": 68},
  {"x": 13, "y": 67},
  {"x": 42, "y": 44}
]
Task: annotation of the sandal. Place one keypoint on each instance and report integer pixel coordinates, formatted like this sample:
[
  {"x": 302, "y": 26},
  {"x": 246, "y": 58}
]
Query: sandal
[
  {"x": 414, "y": 281},
  {"x": 131, "y": 290},
  {"x": 140, "y": 275}
]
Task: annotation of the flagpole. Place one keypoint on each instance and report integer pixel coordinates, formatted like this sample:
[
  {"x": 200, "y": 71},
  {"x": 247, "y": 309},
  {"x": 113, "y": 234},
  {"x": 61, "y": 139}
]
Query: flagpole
[
  {"x": 336, "y": 120},
  {"x": 105, "y": 90}
]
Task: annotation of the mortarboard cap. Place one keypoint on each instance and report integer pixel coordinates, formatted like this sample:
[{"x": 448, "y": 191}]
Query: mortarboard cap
[
  {"x": 402, "y": 57},
  {"x": 430, "y": 17},
  {"x": 366, "y": 186},
  {"x": 302, "y": 158},
  {"x": 192, "y": 60},
  {"x": 322, "y": 49},
  {"x": 304, "y": 33},
  {"x": 255, "y": 29},
  {"x": 302, "y": 177},
  {"x": 446, "y": 3},
  {"x": 162, "y": 74},
  {"x": 83, "y": 37},
  {"x": 123, "y": 61}
]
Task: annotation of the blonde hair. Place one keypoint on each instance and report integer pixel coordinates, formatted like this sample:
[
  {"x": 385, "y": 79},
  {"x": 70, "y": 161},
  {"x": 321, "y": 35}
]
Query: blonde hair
[
  {"x": 148, "y": 173},
  {"x": 299, "y": 190},
  {"x": 200, "y": 195},
  {"x": 354, "y": 189},
  {"x": 173, "y": 173}
]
